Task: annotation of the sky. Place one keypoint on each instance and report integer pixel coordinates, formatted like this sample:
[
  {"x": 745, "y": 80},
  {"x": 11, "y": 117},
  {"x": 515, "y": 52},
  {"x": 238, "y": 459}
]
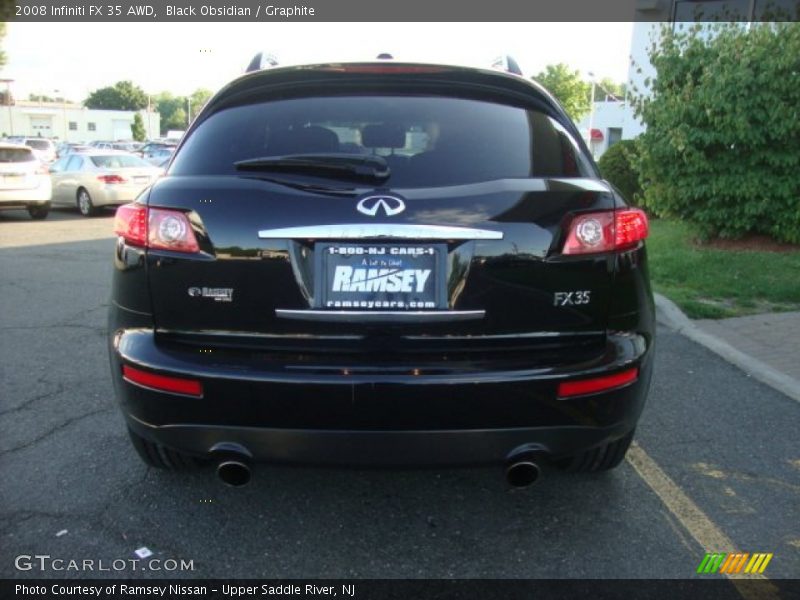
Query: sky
[{"x": 76, "y": 58}]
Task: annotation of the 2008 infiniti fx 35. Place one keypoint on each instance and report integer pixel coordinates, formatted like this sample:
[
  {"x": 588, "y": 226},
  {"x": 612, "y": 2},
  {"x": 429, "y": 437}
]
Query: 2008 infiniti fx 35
[{"x": 381, "y": 263}]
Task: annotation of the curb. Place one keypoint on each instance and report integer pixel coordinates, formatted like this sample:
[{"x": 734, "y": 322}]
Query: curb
[{"x": 667, "y": 313}]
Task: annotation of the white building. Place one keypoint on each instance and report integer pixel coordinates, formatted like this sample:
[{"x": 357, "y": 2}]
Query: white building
[
  {"x": 606, "y": 124},
  {"x": 73, "y": 122}
]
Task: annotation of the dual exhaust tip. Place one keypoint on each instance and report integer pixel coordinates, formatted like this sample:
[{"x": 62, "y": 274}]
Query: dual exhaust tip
[{"x": 234, "y": 470}]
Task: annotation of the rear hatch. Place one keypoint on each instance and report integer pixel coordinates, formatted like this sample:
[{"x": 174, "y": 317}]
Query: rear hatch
[{"x": 455, "y": 252}]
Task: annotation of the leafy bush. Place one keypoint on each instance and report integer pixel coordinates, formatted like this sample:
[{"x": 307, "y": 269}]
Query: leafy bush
[
  {"x": 617, "y": 166},
  {"x": 722, "y": 146}
]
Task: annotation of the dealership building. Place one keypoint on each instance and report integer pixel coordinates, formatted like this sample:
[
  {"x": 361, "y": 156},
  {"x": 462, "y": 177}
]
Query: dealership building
[{"x": 73, "y": 122}]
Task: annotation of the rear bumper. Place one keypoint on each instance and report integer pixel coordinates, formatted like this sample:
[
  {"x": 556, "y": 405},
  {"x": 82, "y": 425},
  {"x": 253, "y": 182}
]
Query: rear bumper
[
  {"x": 286, "y": 414},
  {"x": 20, "y": 198},
  {"x": 114, "y": 195}
]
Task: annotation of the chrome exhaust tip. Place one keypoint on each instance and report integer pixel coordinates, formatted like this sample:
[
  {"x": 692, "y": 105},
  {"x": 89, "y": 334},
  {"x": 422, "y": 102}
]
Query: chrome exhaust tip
[
  {"x": 522, "y": 473},
  {"x": 234, "y": 473}
]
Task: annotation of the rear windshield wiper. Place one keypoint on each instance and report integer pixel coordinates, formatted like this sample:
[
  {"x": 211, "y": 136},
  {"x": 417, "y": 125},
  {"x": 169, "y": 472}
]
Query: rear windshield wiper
[
  {"x": 341, "y": 166},
  {"x": 307, "y": 187}
]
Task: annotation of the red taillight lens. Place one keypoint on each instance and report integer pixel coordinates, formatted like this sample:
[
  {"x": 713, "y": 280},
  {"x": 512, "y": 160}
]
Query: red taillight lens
[
  {"x": 631, "y": 227},
  {"x": 156, "y": 228},
  {"x": 597, "y": 384},
  {"x": 170, "y": 230},
  {"x": 590, "y": 233},
  {"x": 112, "y": 179},
  {"x": 162, "y": 383},
  {"x": 130, "y": 222}
]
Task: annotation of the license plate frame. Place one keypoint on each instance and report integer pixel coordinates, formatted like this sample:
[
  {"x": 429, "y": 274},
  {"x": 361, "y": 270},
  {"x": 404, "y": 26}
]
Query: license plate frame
[{"x": 394, "y": 259}]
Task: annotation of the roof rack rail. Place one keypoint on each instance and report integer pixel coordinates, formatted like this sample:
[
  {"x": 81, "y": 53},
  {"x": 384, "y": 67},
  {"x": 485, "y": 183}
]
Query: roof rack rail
[
  {"x": 261, "y": 61},
  {"x": 508, "y": 64}
]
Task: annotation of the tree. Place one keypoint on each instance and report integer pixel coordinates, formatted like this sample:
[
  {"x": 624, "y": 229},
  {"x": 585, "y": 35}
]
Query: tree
[
  {"x": 618, "y": 166},
  {"x": 568, "y": 87},
  {"x": 137, "y": 128},
  {"x": 46, "y": 98},
  {"x": 123, "y": 95},
  {"x": 608, "y": 89},
  {"x": 198, "y": 99},
  {"x": 171, "y": 109},
  {"x": 720, "y": 150}
]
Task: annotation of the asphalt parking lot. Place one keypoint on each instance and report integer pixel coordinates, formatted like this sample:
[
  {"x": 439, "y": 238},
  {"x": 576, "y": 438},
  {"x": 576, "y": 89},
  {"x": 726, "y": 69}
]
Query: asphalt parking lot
[{"x": 717, "y": 463}]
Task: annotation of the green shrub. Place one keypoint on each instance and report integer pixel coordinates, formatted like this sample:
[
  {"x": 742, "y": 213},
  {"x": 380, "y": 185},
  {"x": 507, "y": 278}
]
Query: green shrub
[
  {"x": 617, "y": 166},
  {"x": 722, "y": 146}
]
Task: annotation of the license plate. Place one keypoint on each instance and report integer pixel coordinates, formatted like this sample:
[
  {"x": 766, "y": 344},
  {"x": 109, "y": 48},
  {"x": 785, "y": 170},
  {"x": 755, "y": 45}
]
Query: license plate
[
  {"x": 13, "y": 179},
  {"x": 141, "y": 179},
  {"x": 381, "y": 277}
]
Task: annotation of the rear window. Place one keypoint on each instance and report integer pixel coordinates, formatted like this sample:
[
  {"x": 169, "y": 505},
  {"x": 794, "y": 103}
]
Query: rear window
[
  {"x": 118, "y": 161},
  {"x": 16, "y": 155},
  {"x": 38, "y": 144},
  {"x": 426, "y": 140}
]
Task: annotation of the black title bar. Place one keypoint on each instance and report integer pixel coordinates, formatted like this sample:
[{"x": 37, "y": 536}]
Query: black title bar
[{"x": 384, "y": 10}]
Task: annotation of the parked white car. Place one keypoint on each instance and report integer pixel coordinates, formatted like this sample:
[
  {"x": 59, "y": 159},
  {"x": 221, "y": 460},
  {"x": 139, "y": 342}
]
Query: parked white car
[
  {"x": 44, "y": 149},
  {"x": 24, "y": 182}
]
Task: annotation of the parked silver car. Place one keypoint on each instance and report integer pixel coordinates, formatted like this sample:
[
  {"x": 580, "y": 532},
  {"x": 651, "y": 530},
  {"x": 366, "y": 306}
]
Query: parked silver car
[{"x": 102, "y": 178}]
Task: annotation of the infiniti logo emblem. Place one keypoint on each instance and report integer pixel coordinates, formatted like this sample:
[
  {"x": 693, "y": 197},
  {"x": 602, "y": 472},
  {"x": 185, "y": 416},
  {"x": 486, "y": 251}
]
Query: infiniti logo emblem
[{"x": 390, "y": 205}]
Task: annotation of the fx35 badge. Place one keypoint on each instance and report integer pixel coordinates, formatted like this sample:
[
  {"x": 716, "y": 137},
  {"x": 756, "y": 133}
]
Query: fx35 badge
[{"x": 572, "y": 298}]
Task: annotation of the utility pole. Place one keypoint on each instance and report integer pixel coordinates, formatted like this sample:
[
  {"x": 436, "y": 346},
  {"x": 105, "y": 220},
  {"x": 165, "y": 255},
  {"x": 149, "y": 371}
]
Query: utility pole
[
  {"x": 8, "y": 83},
  {"x": 64, "y": 111}
]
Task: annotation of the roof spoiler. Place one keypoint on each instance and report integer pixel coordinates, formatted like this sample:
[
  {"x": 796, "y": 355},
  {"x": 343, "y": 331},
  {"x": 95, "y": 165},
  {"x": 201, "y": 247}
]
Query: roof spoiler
[
  {"x": 507, "y": 63},
  {"x": 261, "y": 61}
]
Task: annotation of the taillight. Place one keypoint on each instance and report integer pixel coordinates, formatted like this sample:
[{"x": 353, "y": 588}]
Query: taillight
[
  {"x": 130, "y": 222},
  {"x": 156, "y": 228},
  {"x": 605, "y": 231},
  {"x": 582, "y": 387},
  {"x": 631, "y": 227},
  {"x": 170, "y": 230},
  {"x": 162, "y": 383},
  {"x": 111, "y": 179}
]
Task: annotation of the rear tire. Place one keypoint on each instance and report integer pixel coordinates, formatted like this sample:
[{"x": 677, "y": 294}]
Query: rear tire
[
  {"x": 161, "y": 457},
  {"x": 39, "y": 211},
  {"x": 601, "y": 458},
  {"x": 85, "y": 204}
]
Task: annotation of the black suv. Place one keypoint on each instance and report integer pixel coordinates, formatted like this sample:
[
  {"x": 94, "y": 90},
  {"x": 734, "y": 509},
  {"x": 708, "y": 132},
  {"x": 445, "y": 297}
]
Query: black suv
[{"x": 381, "y": 263}]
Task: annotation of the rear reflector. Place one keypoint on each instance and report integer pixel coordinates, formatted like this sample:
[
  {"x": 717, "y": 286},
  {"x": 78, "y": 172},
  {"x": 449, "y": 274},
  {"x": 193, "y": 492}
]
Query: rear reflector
[
  {"x": 597, "y": 384},
  {"x": 162, "y": 383}
]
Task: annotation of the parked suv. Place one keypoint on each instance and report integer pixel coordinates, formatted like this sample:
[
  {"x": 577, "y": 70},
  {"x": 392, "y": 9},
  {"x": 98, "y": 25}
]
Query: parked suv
[
  {"x": 24, "y": 181},
  {"x": 381, "y": 263}
]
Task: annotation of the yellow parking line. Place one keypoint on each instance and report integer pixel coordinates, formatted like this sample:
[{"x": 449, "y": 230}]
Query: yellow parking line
[{"x": 696, "y": 522}]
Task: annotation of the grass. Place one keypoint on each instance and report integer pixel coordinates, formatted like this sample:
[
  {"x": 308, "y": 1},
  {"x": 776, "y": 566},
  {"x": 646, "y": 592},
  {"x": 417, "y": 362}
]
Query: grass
[{"x": 709, "y": 283}]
